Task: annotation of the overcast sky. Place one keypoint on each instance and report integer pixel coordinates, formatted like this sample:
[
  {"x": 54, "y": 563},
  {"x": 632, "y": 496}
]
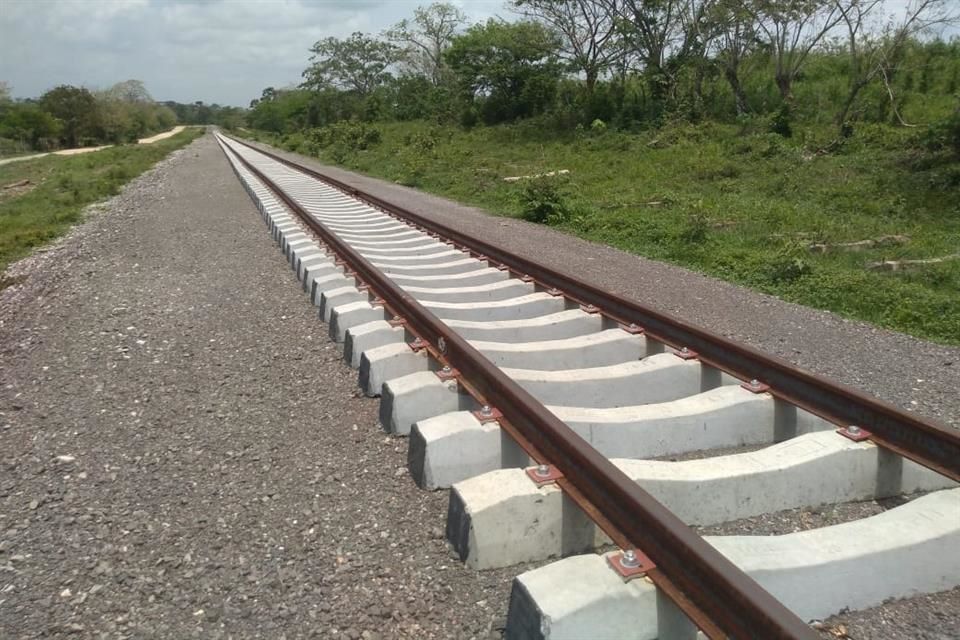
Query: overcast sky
[{"x": 223, "y": 51}]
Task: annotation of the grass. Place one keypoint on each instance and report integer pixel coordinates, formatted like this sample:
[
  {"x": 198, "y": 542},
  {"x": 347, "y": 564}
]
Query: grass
[
  {"x": 739, "y": 204},
  {"x": 63, "y": 185}
]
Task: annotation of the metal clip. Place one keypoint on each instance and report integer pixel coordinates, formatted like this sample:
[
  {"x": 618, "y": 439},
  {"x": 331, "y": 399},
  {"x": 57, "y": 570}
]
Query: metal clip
[
  {"x": 686, "y": 354},
  {"x": 447, "y": 373},
  {"x": 486, "y": 413},
  {"x": 633, "y": 329},
  {"x": 630, "y": 564},
  {"x": 543, "y": 474},
  {"x": 755, "y": 386},
  {"x": 855, "y": 433}
]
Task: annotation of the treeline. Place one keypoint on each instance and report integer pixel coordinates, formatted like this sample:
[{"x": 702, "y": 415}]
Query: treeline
[
  {"x": 68, "y": 116},
  {"x": 635, "y": 64},
  {"x": 200, "y": 113}
]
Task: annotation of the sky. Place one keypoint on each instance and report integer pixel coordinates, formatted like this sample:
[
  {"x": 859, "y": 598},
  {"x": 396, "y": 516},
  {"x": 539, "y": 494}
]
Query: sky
[{"x": 218, "y": 51}]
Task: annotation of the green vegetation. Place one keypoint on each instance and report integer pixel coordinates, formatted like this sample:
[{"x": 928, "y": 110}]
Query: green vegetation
[
  {"x": 733, "y": 201},
  {"x": 61, "y": 186},
  {"x": 747, "y": 139},
  {"x": 68, "y": 117}
]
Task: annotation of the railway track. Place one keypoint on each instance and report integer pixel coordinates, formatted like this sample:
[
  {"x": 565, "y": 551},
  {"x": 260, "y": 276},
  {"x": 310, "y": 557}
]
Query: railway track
[{"x": 543, "y": 403}]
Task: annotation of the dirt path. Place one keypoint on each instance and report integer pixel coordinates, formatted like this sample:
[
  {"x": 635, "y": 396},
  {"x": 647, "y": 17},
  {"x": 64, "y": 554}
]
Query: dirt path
[
  {"x": 79, "y": 150},
  {"x": 162, "y": 136}
]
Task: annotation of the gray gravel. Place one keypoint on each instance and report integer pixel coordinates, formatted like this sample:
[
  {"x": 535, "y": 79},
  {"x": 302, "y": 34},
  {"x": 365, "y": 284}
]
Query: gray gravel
[{"x": 183, "y": 454}]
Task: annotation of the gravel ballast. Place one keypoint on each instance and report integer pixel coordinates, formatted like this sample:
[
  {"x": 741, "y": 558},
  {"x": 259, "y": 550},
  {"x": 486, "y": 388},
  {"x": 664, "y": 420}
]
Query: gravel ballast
[{"x": 184, "y": 454}]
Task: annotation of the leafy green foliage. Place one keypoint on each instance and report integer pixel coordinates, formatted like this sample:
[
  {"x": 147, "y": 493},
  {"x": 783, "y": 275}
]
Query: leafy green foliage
[
  {"x": 77, "y": 111},
  {"x": 544, "y": 199},
  {"x": 68, "y": 116},
  {"x": 359, "y": 63},
  {"x": 739, "y": 204},
  {"x": 505, "y": 70}
]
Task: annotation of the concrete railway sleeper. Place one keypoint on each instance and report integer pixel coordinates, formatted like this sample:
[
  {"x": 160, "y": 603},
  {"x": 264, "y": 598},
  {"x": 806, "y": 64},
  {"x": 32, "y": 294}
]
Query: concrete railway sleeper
[{"x": 546, "y": 434}]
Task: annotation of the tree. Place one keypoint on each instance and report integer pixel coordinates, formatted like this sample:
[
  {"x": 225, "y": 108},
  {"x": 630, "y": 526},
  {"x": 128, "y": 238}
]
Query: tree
[
  {"x": 736, "y": 38},
  {"x": 591, "y": 40},
  {"x": 647, "y": 29},
  {"x": 28, "y": 124},
  {"x": 358, "y": 63},
  {"x": 423, "y": 41},
  {"x": 129, "y": 91},
  {"x": 77, "y": 110},
  {"x": 792, "y": 29},
  {"x": 878, "y": 53},
  {"x": 510, "y": 68}
]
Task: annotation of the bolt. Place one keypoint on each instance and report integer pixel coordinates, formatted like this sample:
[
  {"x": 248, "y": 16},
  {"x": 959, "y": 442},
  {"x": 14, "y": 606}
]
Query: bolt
[
  {"x": 396, "y": 318},
  {"x": 629, "y": 559},
  {"x": 853, "y": 430},
  {"x": 754, "y": 383},
  {"x": 446, "y": 369},
  {"x": 486, "y": 410},
  {"x": 684, "y": 350},
  {"x": 543, "y": 470},
  {"x": 634, "y": 325}
]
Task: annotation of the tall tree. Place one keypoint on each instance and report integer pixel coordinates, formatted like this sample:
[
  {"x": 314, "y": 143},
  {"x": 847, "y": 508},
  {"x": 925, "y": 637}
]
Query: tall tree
[
  {"x": 591, "y": 40},
  {"x": 359, "y": 63},
  {"x": 423, "y": 41},
  {"x": 510, "y": 68},
  {"x": 77, "y": 110},
  {"x": 792, "y": 29},
  {"x": 129, "y": 91},
  {"x": 736, "y": 38},
  {"x": 876, "y": 50},
  {"x": 664, "y": 36},
  {"x": 648, "y": 28}
]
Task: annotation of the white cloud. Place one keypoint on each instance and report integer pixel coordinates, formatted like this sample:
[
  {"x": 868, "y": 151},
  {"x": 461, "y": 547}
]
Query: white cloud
[{"x": 223, "y": 51}]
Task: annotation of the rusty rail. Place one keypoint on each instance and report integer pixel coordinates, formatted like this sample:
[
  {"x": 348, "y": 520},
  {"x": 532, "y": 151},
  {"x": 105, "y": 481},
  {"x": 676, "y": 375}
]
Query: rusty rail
[
  {"x": 716, "y": 595},
  {"x": 922, "y": 440}
]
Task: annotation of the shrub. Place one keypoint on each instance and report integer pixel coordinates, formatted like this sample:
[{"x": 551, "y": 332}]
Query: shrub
[
  {"x": 695, "y": 230},
  {"x": 780, "y": 121},
  {"x": 347, "y": 135},
  {"x": 544, "y": 200},
  {"x": 944, "y": 135}
]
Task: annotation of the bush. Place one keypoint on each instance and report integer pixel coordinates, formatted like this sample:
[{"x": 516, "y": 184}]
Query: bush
[
  {"x": 545, "y": 200},
  {"x": 348, "y": 136},
  {"x": 944, "y": 135},
  {"x": 780, "y": 121}
]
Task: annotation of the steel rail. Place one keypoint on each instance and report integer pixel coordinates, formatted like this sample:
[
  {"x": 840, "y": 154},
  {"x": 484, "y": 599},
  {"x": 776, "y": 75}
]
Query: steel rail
[
  {"x": 925, "y": 441},
  {"x": 717, "y": 596}
]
